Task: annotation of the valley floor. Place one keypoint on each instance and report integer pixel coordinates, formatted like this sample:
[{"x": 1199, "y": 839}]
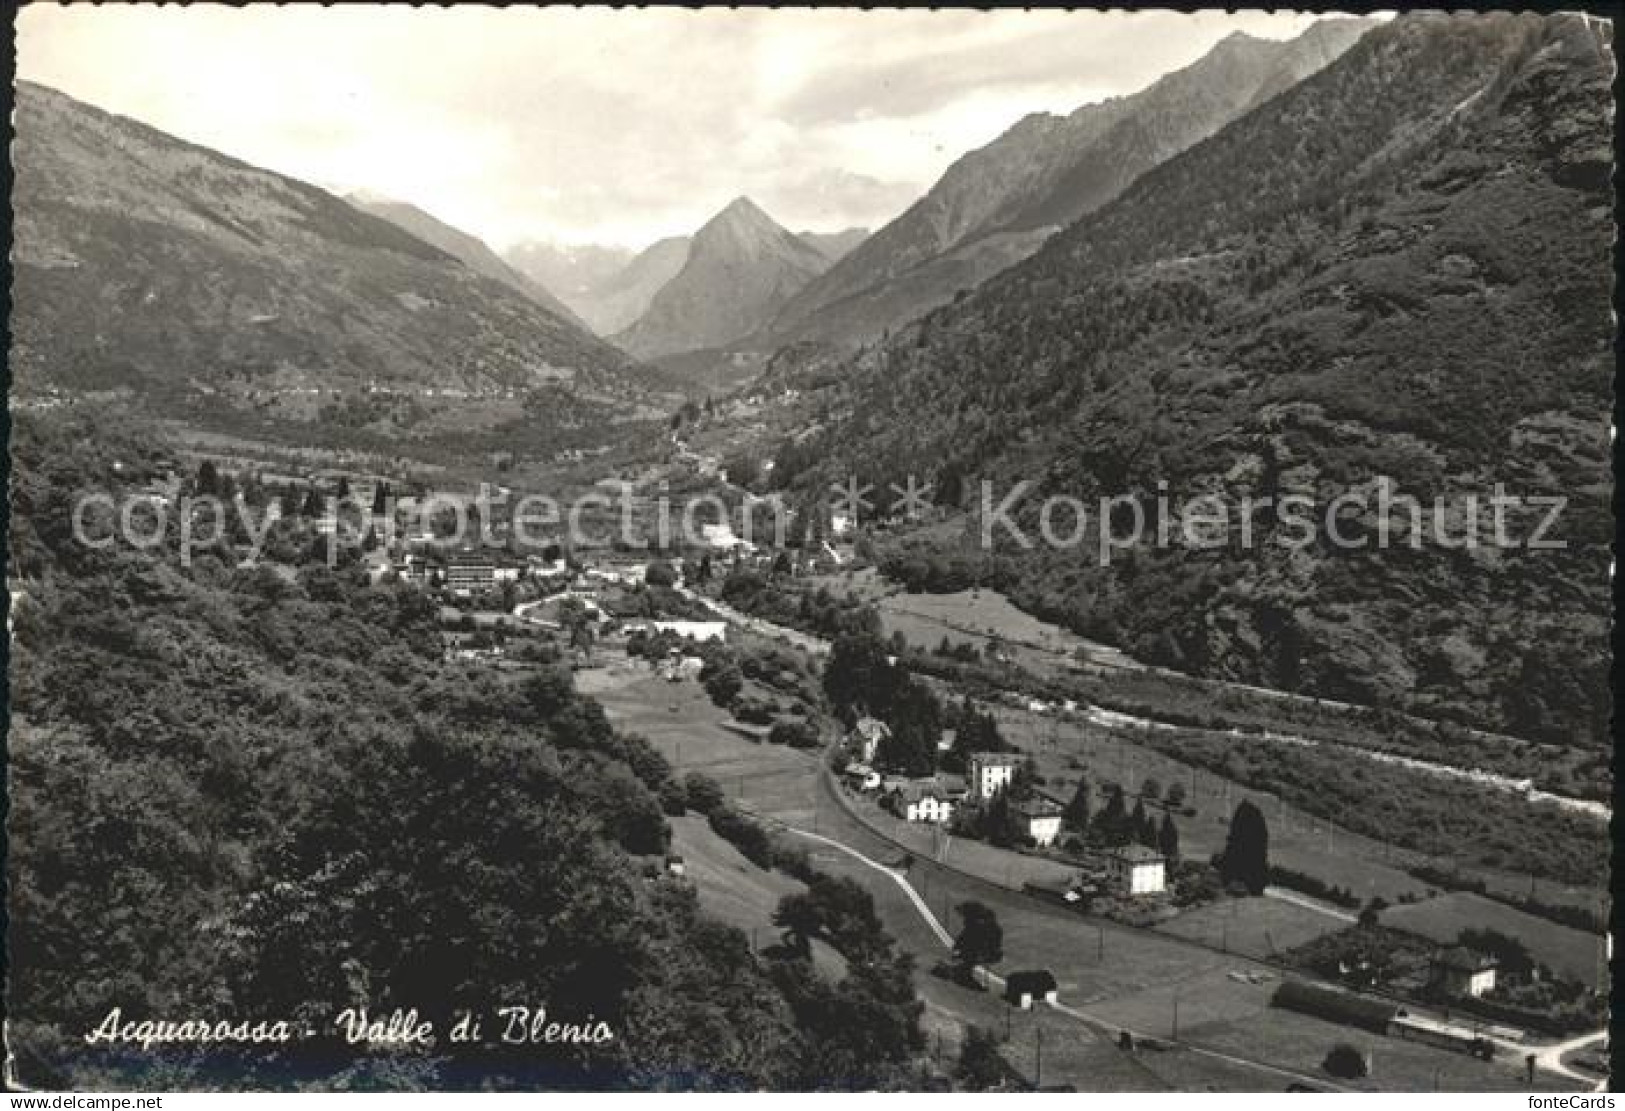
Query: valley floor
[{"x": 1200, "y": 965}]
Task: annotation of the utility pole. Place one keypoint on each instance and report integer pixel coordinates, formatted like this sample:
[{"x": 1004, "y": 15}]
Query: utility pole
[
  {"x": 1100, "y": 943},
  {"x": 1038, "y": 1057},
  {"x": 1176, "y": 1014}
]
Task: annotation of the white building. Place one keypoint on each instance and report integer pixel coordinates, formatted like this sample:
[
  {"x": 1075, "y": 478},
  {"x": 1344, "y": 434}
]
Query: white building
[
  {"x": 1463, "y": 971},
  {"x": 695, "y": 630},
  {"x": 863, "y": 777},
  {"x": 868, "y": 733},
  {"x": 923, "y": 802},
  {"x": 990, "y": 773},
  {"x": 1137, "y": 870},
  {"x": 722, "y": 538},
  {"x": 1040, "y": 819}
]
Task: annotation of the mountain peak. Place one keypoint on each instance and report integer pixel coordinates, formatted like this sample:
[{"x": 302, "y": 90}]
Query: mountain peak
[
  {"x": 741, "y": 268},
  {"x": 744, "y": 212}
]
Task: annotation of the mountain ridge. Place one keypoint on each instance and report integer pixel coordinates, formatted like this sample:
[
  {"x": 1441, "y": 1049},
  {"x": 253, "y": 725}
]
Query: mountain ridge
[
  {"x": 210, "y": 277},
  {"x": 467, "y": 248},
  {"x": 1417, "y": 286},
  {"x": 995, "y": 205}
]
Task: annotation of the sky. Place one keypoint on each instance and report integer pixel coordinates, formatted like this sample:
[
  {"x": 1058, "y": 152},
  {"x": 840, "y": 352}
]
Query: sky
[{"x": 590, "y": 125}]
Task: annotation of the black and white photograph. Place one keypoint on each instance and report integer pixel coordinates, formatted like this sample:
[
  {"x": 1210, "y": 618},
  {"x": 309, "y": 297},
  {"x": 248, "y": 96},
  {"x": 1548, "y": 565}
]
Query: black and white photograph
[{"x": 809, "y": 550}]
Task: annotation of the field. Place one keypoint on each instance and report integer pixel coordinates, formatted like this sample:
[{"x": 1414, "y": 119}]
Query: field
[
  {"x": 974, "y": 617},
  {"x": 695, "y": 735},
  {"x": 1297, "y": 840},
  {"x": 1116, "y": 977},
  {"x": 733, "y": 890},
  {"x": 1572, "y": 954},
  {"x": 1049, "y": 652},
  {"x": 1259, "y": 928}
]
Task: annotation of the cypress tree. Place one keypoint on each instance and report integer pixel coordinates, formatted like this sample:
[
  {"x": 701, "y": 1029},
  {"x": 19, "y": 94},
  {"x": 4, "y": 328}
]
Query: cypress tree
[{"x": 1247, "y": 849}]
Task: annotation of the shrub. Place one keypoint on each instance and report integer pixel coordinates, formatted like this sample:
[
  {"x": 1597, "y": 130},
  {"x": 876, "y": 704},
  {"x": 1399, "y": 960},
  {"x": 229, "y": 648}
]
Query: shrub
[
  {"x": 1345, "y": 1062},
  {"x": 704, "y": 793},
  {"x": 745, "y": 835},
  {"x": 1334, "y": 1005},
  {"x": 754, "y": 711},
  {"x": 796, "y": 734}
]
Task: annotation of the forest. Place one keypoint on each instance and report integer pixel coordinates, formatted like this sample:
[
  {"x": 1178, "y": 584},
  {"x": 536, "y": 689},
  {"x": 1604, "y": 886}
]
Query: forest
[{"x": 258, "y": 794}]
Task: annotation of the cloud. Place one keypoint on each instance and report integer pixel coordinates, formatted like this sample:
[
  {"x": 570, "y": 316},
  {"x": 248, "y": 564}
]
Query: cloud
[{"x": 600, "y": 125}]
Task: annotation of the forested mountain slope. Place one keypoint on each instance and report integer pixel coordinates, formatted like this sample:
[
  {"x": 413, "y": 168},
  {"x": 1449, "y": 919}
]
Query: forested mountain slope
[
  {"x": 1400, "y": 267},
  {"x": 996, "y": 205},
  {"x": 472, "y": 251},
  {"x": 258, "y": 793},
  {"x": 151, "y": 264}
]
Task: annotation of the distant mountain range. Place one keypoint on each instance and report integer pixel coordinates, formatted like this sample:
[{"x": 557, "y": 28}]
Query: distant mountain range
[
  {"x": 147, "y": 263},
  {"x": 468, "y": 249},
  {"x": 835, "y": 245},
  {"x": 740, "y": 270},
  {"x": 608, "y": 297},
  {"x": 996, "y": 206},
  {"x": 570, "y": 271},
  {"x": 1397, "y": 268}
]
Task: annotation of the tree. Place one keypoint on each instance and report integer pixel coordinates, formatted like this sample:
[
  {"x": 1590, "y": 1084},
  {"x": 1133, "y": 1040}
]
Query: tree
[
  {"x": 702, "y": 574},
  {"x": 950, "y": 486},
  {"x": 704, "y": 794},
  {"x": 380, "y": 499},
  {"x": 660, "y": 573},
  {"x": 1246, "y": 858},
  {"x": 1175, "y": 795},
  {"x": 796, "y": 734},
  {"x": 313, "y": 504},
  {"x": 1345, "y": 1062},
  {"x": 1145, "y": 829},
  {"x": 578, "y": 621},
  {"x": 996, "y": 821},
  {"x": 1151, "y": 789},
  {"x": 722, "y": 680},
  {"x": 1168, "y": 838},
  {"x": 208, "y": 479},
  {"x": 858, "y": 675},
  {"x": 980, "y": 1066},
  {"x": 801, "y": 919},
  {"x": 981, "y": 938},
  {"x": 1112, "y": 823},
  {"x": 1076, "y": 814}
]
